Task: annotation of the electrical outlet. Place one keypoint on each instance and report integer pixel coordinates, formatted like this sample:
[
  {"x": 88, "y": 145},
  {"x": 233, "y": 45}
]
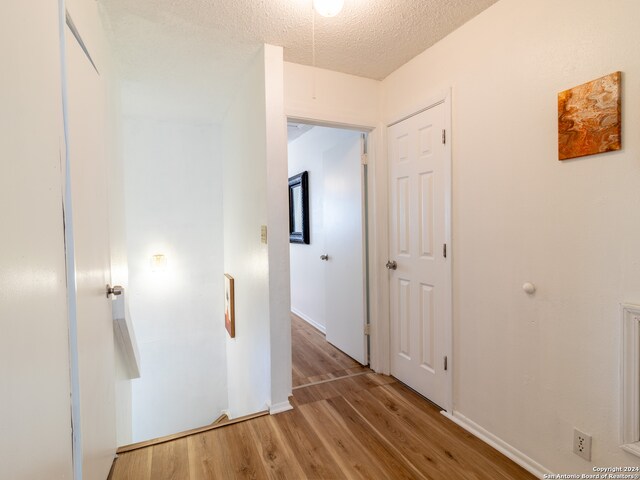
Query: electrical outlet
[{"x": 582, "y": 444}]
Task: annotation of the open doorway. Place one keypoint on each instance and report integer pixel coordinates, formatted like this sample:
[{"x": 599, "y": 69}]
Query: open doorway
[{"x": 328, "y": 257}]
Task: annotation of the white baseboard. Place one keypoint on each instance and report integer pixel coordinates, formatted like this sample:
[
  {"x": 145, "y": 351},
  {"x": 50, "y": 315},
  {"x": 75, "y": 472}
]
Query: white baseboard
[
  {"x": 280, "y": 407},
  {"x": 309, "y": 320},
  {"x": 503, "y": 447}
]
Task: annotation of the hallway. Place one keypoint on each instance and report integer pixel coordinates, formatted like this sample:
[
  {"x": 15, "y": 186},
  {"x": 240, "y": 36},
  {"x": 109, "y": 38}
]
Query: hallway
[{"x": 353, "y": 424}]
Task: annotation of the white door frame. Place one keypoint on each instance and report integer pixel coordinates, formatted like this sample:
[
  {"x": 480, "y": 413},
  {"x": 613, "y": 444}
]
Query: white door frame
[
  {"x": 375, "y": 226},
  {"x": 384, "y": 330}
]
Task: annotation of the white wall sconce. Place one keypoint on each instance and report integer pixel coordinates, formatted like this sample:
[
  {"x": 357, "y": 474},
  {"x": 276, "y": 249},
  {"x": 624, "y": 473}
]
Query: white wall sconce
[
  {"x": 158, "y": 263},
  {"x": 328, "y": 8}
]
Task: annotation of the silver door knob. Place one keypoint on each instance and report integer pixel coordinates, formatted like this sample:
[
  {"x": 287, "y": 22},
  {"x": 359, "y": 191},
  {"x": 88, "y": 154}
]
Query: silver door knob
[
  {"x": 324, "y": 257},
  {"x": 392, "y": 265},
  {"x": 115, "y": 290}
]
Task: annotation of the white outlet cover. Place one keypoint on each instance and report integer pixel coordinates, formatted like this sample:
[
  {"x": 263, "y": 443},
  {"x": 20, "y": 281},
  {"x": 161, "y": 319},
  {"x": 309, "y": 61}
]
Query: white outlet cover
[{"x": 582, "y": 444}]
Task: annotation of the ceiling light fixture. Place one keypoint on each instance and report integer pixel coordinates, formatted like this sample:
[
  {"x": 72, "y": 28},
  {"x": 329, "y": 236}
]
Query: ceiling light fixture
[{"x": 328, "y": 8}]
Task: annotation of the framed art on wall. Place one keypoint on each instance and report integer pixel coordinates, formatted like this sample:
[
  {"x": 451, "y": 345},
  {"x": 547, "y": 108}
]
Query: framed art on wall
[
  {"x": 229, "y": 306},
  {"x": 299, "y": 208},
  {"x": 590, "y": 118}
]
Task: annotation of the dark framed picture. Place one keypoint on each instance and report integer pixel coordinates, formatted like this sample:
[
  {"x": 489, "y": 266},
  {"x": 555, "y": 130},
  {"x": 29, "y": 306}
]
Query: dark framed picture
[
  {"x": 299, "y": 208},
  {"x": 229, "y": 306}
]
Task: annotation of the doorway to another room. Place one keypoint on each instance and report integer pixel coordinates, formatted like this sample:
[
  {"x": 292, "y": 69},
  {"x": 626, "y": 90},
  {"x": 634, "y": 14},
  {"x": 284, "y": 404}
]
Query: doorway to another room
[{"x": 328, "y": 252}]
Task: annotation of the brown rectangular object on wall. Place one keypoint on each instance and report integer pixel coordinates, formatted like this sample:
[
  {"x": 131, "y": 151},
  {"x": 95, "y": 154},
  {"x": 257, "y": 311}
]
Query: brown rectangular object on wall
[
  {"x": 229, "y": 306},
  {"x": 589, "y": 118}
]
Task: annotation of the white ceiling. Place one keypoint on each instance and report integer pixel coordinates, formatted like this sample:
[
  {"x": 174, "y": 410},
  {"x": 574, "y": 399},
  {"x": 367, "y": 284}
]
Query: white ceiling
[
  {"x": 194, "y": 46},
  {"x": 296, "y": 130}
]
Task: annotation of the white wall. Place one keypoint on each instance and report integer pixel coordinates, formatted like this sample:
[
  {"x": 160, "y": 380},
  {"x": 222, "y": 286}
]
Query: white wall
[
  {"x": 124, "y": 399},
  {"x": 308, "y": 296},
  {"x": 174, "y": 207},
  {"x": 529, "y": 369},
  {"x": 278, "y": 226},
  {"x": 333, "y": 97},
  {"x": 255, "y": 176},
  {"x": 245, "y": 257},
  {"x": 34, "y": 343},
  {"x": 119, "y": 265}
]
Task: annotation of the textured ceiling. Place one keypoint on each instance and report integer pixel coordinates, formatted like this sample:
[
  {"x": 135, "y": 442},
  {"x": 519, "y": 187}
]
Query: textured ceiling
[{"x": 207, "y": 43}]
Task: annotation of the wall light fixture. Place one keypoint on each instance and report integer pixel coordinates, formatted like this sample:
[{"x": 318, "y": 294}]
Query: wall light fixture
[{"x": 158, "y": 263}]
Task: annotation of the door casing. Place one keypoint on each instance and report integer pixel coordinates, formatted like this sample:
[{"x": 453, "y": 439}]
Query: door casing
[{"x": 373, "y": 225}]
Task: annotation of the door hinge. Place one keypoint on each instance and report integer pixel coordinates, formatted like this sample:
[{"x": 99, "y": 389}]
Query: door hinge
[
  {"x": 445, "y": 364},
  {"x": 364, "y": 159},
  {"x": 444, "y": 250},
  {"x": 367, "y": 329},
  {"x": 444, "y": 137}
]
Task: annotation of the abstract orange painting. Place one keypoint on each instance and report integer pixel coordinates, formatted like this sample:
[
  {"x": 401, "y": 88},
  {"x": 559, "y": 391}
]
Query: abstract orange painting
[{"x": 589, "y": 118}]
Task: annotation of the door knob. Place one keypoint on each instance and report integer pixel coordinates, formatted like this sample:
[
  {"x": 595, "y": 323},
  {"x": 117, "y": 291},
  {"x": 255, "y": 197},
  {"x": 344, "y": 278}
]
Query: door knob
[
  {"x": 392, "y": 265},
  {"x": 324, "y": 257},
  {"x": 115, "y": 290}
]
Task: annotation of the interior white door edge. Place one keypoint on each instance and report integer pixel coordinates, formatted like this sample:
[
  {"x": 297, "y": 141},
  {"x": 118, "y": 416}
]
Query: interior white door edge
[
  {"x": 343, "y": 224},
  {"x": 448, "y": 230},
  {"x": 74, "y": 374},
  {"x": 88, "y": 263}
]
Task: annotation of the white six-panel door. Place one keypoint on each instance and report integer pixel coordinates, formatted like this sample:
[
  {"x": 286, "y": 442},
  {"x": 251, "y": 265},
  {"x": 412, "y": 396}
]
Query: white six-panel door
[{"x": 420, "y": 284}]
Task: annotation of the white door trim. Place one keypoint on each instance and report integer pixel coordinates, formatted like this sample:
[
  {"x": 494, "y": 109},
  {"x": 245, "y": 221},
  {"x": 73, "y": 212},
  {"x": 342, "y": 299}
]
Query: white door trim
[
  {"x": 385, "y": 333},
  {"x": 448, "y": 222},
  {"x": 378, "y": 216},
  {"x": 630, "y": 383},
  {"x": 443, "y": 96}
]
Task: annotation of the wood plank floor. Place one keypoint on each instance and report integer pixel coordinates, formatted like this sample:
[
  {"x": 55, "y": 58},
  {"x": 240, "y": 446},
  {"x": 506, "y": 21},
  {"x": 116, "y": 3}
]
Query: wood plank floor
[
  {"x": 315, "y": 359},
  {"x": 363, "y": 426}
]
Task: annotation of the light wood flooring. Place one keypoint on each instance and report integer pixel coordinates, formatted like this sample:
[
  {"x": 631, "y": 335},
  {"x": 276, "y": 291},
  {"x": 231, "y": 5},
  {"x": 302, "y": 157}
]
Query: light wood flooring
[
  {"x": 360, "y": 426},
  {"x": 314, "y": 359}
]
